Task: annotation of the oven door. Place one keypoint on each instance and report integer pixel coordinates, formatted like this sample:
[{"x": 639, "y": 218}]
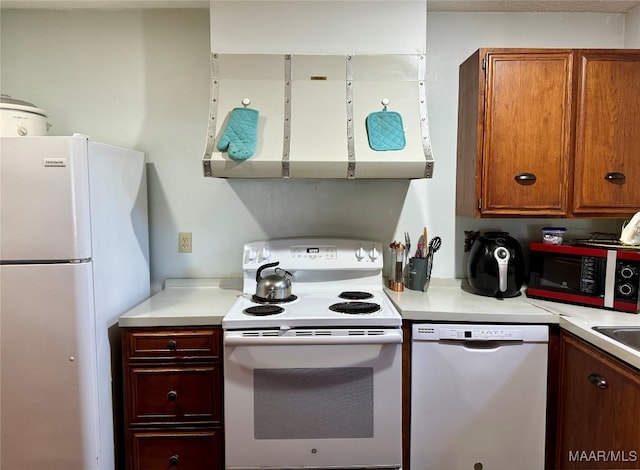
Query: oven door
[{"x": 313, "y": 399}]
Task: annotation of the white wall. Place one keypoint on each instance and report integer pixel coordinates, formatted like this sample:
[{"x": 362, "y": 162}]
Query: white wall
[
  {"x": 140, "y": 78},
  {"x": 632, "y": 28}
]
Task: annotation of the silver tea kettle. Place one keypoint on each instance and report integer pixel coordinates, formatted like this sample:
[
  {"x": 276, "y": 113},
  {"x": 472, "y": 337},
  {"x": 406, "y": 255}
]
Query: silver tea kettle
[{"x": 275, "y": 286}]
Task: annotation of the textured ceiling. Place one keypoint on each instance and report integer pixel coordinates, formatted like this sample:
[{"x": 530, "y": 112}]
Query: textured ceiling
[{"x": 604, "y": 6}]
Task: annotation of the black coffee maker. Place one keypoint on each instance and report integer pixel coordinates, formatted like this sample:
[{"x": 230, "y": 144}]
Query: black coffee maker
[{"x": 496, "y": 264}]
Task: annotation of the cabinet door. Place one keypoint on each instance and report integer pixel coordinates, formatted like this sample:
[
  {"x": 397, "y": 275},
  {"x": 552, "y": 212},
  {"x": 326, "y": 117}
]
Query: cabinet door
[
  {"x": 527, "y": 123},
  {"x": 599, "y": 406},
  {"x": 607, "y": 158}
]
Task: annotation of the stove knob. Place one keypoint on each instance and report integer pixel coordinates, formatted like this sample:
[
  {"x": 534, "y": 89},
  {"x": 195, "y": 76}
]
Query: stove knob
[
  {"x": 360, "y": 253},
  {"x": 265, "y": 253},
  {"x": 374, "y": 253},
  {"x": 251, "y": 254}
]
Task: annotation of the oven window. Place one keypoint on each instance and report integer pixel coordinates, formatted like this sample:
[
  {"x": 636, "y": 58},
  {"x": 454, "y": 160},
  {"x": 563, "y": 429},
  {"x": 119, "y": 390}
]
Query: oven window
[{"x": 313, "y": 403}]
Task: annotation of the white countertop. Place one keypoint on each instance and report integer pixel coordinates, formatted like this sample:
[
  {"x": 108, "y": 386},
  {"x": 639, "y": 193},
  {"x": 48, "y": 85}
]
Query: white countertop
[
  {"x": 445, "y": 300},
  {"x": 185, "y": 302},
  {"x": 581, "y": 320},
  {"x": 198, "y": 302}
]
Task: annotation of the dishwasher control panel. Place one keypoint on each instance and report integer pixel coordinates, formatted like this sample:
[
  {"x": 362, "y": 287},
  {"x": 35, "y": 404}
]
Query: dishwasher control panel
[{"x": 461, "y": 332}]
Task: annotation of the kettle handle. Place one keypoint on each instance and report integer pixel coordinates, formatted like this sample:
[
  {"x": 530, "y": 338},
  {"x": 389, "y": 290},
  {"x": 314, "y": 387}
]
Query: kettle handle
[
  {"x": 502, "y": 256},
  {"x": 263, "y": 267}
]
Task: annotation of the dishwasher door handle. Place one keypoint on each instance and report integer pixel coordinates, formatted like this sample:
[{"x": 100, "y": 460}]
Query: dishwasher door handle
[{"x": 481, "y": 344}]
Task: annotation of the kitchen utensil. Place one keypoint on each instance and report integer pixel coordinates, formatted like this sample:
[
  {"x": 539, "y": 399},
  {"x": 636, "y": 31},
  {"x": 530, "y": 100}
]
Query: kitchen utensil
[
  {"x": 435, "y": 244},
  {"x": 425, "y": 247},
  {"x": 429, "y": 267},
  {"x": 407, "y": 244},
  {"x": 21, "y": 118},
  {"x": 276, "y": 286},
  {"x": 420, "y": 249},
  {"x": 495, "y": 266}
]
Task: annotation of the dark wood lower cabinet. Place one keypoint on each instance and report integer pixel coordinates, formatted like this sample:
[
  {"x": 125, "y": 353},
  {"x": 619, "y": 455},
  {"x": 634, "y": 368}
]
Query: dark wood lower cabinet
[
  {"x": 598, "y": 409},
  {"x": 173, "y": 398}
]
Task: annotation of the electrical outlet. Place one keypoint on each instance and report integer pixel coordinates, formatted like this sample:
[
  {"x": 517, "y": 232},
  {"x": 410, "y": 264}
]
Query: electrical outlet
[{"x": 184, "y": 242}]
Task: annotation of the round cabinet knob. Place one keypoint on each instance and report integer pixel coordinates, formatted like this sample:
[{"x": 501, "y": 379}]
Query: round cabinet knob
[
  {"x": 172, "y": 395},
  {"x": 172, "y": 345},
  {"x": 173, "y": 460},
  {"x": 360, "y": 254},
  {"x": 374, "y": 253}
]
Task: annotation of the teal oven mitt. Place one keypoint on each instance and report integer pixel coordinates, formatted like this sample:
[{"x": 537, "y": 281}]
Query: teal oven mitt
[
  {"x": 385, "y": 130},
  {"x": 239, "y": 136}
]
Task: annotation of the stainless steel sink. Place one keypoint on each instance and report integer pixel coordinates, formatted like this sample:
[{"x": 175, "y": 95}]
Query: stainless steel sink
[{"x": 627, "y": 335}]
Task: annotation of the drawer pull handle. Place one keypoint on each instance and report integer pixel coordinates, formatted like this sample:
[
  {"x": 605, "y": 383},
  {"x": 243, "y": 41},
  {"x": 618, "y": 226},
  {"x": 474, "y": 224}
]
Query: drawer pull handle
[
  {"x": 598, "y": 381},
  {"x": 525, "y": 179},
  {"x": 172, "y": 395},
  {"x": 616, "y": 177},
  {"x": 171, "y": 345},
  {"x": 173, "y": 460}
]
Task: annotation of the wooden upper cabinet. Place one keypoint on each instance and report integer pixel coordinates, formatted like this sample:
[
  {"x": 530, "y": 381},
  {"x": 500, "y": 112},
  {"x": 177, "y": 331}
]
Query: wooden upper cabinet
[
  {"x": 548, "y": 133},
  {"x": 514, "y": 133},
  {"x": 607, "y": 151}
]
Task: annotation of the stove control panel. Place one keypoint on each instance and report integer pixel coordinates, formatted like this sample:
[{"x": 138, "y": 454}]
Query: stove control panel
[{"x": 314, "y": 253}]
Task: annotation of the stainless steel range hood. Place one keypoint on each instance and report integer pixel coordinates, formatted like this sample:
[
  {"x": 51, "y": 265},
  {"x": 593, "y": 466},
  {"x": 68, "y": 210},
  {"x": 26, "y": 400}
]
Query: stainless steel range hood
[{"x": 308, "y": 108}]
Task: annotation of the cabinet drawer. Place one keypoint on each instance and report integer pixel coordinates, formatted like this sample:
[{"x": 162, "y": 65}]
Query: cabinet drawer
[
  {"x": 170, "y": 394},
  {"x": 176, "y": 450},
  {"x": 172, "y": 343}
]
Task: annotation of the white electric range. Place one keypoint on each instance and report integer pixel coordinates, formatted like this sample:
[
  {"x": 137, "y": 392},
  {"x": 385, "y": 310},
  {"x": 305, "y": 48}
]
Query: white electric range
[
  {"x": 314, "y": 381},
  {"x": 336, "y": 283}
]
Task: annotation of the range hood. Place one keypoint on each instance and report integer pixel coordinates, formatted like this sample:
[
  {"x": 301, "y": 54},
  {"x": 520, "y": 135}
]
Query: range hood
[{"x": 305, "y": 113}]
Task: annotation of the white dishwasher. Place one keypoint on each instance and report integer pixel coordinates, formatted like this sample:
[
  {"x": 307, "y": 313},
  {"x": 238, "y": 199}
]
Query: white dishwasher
[{"x": 478, "y": 396}]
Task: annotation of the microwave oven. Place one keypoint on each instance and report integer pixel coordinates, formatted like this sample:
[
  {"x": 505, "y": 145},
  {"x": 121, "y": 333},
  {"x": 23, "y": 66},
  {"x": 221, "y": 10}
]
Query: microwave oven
[{"x": 596, "y": 277}]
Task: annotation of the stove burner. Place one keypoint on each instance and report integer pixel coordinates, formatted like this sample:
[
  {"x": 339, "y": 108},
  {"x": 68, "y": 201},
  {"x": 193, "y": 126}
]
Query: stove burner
[
  {"x": 260, "y": 300},
  {"x": 355, "y": 295},
  {"x": 263, "y": 310},
  {"x": 355, "y": 308}
]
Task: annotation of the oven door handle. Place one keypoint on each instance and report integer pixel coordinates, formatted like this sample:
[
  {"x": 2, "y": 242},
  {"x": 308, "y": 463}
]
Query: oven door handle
[{"x": 286, "y": 338}]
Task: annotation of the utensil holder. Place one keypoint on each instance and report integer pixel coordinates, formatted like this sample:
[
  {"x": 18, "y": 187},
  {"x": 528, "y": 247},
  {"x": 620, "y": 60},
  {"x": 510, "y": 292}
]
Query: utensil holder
[{"x": 420, "y": 272}]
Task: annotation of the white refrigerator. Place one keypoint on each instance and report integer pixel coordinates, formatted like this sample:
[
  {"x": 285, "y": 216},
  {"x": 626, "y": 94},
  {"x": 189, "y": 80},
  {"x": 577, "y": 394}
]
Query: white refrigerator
[{"x": 74, "y": 252}]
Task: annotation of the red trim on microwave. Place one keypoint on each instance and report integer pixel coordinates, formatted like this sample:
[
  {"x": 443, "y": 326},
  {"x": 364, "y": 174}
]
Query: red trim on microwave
[
  {"x": 628, "y": 254},
  {"x": 570, "y": 250},
  {"x": 565, "y": 297},
  {"x": 631, "y": 307}
]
